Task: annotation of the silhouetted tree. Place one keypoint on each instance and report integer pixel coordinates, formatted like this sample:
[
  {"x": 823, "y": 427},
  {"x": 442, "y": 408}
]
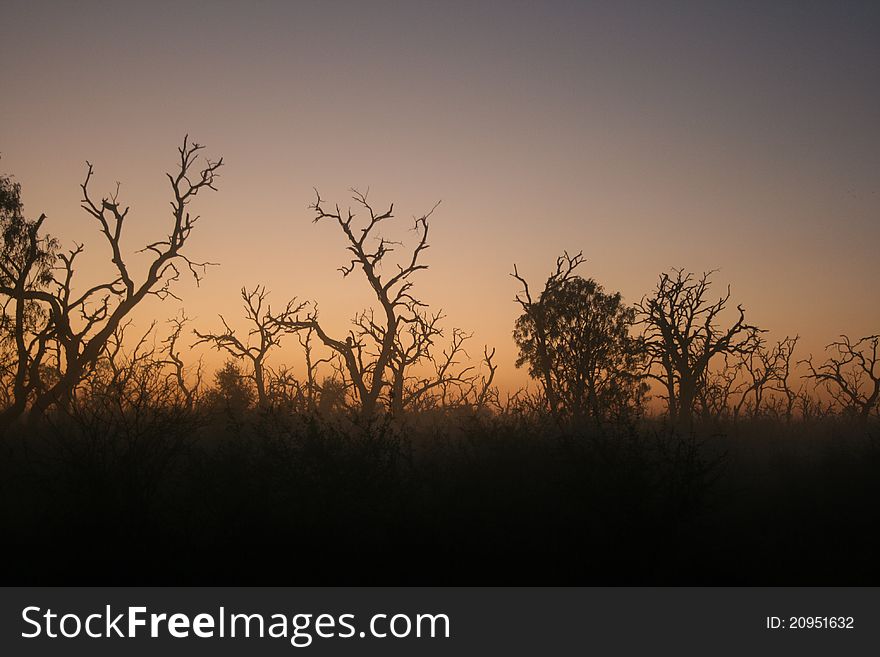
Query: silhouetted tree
[
  {"x": 331, "y": 396},
  {"x": 26, "y": 262},
  {"x": 851, "y": 374},
  {"x": 367, "y": 364},
  {"x": 383, "y": 347},
  {"x": 265, "y": 331},
  {"x": 682, "y": 335},
  {"x": 762, "y": 367},
  {"x": 312, "y": 388},
  {"x": 576, "y": 340},
  {"x": 782, "y": 381},
  {"x": 565, "y": 267},
  {"x": 424, "y": 373},
  {"x": 232, "y": 391},
  {"x": 76, "y": 327},
  {"x": 179, "y": 371},
  {"x": 718, "y": 387}
]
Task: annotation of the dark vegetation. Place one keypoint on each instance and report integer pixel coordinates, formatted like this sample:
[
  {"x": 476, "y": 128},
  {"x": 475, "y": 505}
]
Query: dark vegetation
[{"x": 391, "y": 456}]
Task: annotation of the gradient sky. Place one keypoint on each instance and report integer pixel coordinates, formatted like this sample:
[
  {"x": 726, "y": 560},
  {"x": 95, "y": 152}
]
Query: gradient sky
[{"x": 744, "y": 137}]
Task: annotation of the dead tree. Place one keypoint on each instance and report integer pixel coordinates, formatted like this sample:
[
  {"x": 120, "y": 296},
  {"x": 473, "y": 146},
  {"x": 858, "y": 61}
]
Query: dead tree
[
  {"x": 718, "y": 387},
  {"x": 424, "y": 371},
  {"x": 851, "y": 374},
  {"x": 488, "y": 394},
  {"x": 78, "y": 325},
  {"x": 312, "y": 388},
  {"x": 179, "y": 371},
  {"x": 682, "y": 335},
  {"x": 762, "y": 367},
  {"x": 782, "y": 380},
  {"x": 265, "y": 330},
  {"x": 369, "y": 349},
  {"x": 474, "y": 389},
  {"x": 444, "y": 378},
  {"x": 412, "y": 345}
]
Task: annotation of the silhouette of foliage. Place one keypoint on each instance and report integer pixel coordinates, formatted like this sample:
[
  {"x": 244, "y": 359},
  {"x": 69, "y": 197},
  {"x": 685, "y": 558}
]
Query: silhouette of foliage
[
  {"x": 577, "y": 341},
  {"x": 26, "y": 262},
  {"x": 233, "y": 392}
]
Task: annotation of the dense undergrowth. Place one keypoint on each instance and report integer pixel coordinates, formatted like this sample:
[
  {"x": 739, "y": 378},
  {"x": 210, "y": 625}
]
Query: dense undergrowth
[{"x": 272, "y": 496}]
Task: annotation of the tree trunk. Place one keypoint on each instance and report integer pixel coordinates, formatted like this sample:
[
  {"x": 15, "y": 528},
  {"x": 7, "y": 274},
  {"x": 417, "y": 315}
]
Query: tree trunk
[{"x": 687, "y": 394}]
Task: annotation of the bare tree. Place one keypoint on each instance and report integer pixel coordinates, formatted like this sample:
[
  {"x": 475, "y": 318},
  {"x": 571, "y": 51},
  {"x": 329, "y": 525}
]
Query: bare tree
[
  {"x": 179, "y": 371},
  {"x": 422, "y": 371},
  {"x": 682, "y": 335},
  {"x": 717, "y": 389},
  {"x": 264, "y": 333},
  {"x": 369, "y": 349},
  {"x": 810, "y": 406},
  {"x": 763, "y": 368},
  {"x": 782, "y": 381},
  {"x": 488, "y": 395},
  {"x": 78, "y": 326},
  {"x": 851, "y": 374},
  {"x": 312, "y": 388}
]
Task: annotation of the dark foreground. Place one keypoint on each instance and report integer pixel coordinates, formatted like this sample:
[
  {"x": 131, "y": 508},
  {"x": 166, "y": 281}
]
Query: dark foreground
[{"x": 272, "y": 498}]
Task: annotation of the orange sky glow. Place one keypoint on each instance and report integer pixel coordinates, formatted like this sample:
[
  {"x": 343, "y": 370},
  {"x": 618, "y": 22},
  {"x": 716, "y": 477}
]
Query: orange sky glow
[{"x": 742, "y": 139}]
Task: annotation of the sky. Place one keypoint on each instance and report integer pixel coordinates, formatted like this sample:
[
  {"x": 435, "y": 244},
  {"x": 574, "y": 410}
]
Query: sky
[{"x": 737, "y": 136}]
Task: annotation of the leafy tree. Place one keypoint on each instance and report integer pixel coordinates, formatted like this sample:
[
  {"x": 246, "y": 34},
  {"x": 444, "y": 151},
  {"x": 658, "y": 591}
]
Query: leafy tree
[
  {"x": 232, "y": 391},
  {"x": 26, "y": 262},
  {"x": 23, "y": 251},
  {"x": 575, "y": 339}
]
